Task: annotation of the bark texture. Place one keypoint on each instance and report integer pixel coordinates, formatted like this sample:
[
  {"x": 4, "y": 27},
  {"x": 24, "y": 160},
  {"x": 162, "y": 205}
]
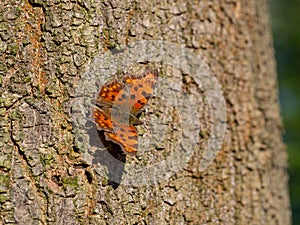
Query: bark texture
[{"x": 45, "y": 48}]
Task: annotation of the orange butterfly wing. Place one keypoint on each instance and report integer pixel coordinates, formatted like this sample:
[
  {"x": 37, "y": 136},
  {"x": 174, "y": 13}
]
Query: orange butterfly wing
[
  {"x": 125, "y": 98},
  {"x": 131, "y": 95},
  {"x": 126, "y": 136},
  {"x": 108, "y": 93},
  {"x": 103, "y": 119},
  {"x": 140, "y": 90}
]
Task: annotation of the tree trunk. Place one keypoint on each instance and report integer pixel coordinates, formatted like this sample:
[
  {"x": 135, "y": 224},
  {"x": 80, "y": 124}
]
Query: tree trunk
[{"x": 55, "y": 172}]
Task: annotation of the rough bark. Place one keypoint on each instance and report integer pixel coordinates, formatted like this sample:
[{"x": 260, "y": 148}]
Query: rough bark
[{"x": 45, "y": 48}]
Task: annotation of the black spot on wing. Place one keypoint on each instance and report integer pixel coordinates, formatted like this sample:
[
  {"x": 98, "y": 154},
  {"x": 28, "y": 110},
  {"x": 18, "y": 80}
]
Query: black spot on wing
[
  {"x": 140, "y": 102},
  {"x": 144, "y": 93}
]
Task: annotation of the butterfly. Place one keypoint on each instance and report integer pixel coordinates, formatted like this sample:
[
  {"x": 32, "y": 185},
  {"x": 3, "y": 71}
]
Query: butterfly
[{"x": 119, "y": 103}]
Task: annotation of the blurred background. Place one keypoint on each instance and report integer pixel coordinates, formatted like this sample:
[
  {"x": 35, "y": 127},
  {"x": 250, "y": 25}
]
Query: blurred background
[{"x": 286, "y": 34}]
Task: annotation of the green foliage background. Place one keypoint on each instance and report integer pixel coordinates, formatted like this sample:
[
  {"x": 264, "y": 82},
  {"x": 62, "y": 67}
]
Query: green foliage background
[{"x": 286, "y": 34}]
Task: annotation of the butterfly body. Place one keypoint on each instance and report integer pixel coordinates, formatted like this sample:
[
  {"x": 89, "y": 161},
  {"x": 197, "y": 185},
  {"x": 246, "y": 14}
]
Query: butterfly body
[{"x": 118, "y": 105}]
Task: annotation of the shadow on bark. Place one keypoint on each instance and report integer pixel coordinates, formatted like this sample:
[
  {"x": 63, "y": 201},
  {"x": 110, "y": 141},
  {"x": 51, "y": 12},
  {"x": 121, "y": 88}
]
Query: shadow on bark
[{"x": 104, "y": 157}]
